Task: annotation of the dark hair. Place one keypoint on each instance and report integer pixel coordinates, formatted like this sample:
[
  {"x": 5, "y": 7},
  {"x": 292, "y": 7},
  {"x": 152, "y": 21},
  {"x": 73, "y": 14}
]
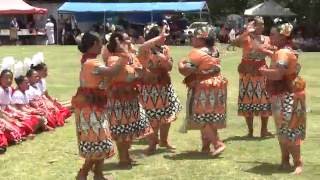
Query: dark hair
[
  {"x": 5, "y": 71},
  {"x": 87, "y": 41},
  {"x": 29, "y": 73},
  {"x": 210, "y": 41},
  {"x": 112, "y": 45},
  {"x": 39, "y": 67},
  {"x": 154, "y": 32},
  {"x": 19, "y": 80}
]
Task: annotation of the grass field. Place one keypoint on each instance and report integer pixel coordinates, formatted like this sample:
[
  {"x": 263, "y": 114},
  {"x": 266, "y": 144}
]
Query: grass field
[{"x": 54, "y": 156}]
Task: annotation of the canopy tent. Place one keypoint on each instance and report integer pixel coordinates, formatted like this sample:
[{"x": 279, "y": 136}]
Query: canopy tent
[
  {"x": 77, "y": 7},
  {"x": 269, "y": 8},
  {"x": 19, "y": 7}
]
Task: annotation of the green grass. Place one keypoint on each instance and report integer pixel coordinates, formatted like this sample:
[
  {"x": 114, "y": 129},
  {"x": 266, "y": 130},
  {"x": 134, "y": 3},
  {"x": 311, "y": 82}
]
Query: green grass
[{"x": 54, "y": 155}]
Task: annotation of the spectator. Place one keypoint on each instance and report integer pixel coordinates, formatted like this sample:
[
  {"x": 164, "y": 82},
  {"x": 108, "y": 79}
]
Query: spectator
[
  {"x": 14, "y": 28},
  {"x": 50, "y": 32},
  {"x": 232, "y": 38}
]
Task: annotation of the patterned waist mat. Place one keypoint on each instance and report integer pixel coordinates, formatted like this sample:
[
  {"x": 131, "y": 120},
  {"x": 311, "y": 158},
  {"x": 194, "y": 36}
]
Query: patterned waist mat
[
  {"x": 251, "y": 67},
  {"x": 89, "y": 97}
]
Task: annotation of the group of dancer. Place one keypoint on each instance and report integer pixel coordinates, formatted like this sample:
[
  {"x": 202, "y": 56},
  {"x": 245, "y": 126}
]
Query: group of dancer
[
  {"x": 28, "y": 108},
  {"x": 129, "y": 94}
]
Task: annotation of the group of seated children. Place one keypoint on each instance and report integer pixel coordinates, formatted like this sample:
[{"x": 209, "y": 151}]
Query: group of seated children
[{"x": 26, "y": 109}]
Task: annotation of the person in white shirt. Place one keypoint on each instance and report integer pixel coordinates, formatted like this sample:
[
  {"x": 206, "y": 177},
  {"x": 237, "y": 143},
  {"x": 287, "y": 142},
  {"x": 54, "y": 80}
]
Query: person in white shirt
[
  {"x": 232, "y": 38},
  {"x": 49, "y": 27}
]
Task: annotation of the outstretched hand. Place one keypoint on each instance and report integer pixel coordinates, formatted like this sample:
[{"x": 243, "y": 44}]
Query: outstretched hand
[{"x": 165, "y": 31}]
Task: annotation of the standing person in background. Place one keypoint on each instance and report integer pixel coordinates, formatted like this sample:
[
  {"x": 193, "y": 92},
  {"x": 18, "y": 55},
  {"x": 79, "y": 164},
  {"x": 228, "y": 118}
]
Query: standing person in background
[
  {"x": 50, "y": 32},
  {"x": 14, "y": 28},
  {"x": 253, "y": 99},
  {"x": 53, "y": 20},
  {"x": 232, "y": 38}
]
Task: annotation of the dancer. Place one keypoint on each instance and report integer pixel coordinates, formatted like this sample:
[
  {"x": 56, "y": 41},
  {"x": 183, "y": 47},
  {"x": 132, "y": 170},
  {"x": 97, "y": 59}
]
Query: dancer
[
  {"x": 127, "y": 117},
  {"x": 94, "y": 139},
  {"x": 156, "y": 93},
  {"x": 253, "y": 99},
  {"x": 206, "y": 106},
  {"x": 288, "y": 96}
]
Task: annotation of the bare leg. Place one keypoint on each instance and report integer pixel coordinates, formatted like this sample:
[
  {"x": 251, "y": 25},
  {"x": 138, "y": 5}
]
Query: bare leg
[
  {"x": 86, "y": 167},
  {"x": 249, "y": 121},
  {"x": 123, "y": 154},
  {"x": 164, "y": 133},
  {"x": 264, "y": 128},
  {"x": 219, "y": 146},
  {"x": 285, "y": 156},
  {"x": 205, "y": 142},
  {"x": 153, "y": 141},
  {"x": 296, "y": 154}
]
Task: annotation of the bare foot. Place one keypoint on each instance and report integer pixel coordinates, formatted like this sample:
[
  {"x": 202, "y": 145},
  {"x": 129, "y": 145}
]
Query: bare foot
[
  {"x": 125, "y": 164},
  {"x": 266, "y": 134},
  {"x": 205, "y": 149},
  {"x": 298, "y": 170},
  {"x": 102, "y": 177},
  {"x": 218, "y": 151},
  {"x": 167, "y": 145},
  {"x": 81, "y": 176},
  {"x": 285, "y": 166},
  {"x": 250, "y": 135},
  {"x": 150, "y": 150}
]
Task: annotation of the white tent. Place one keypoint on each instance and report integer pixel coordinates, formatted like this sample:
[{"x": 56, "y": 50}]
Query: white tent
[{"x": 269, "y": 8}]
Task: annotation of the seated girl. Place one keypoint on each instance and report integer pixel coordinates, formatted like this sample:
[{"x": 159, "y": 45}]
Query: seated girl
[
  {"x": 20, "y": 102},
  {"x": 24, "y": 124},
  {"x": 41, "y": 68},
  {"x": 38, "y": 101}
]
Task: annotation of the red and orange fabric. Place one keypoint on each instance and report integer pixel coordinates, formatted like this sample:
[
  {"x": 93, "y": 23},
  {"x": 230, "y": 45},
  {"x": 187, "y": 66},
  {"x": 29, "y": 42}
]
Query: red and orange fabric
[
  {"x": 157, "y": 95},
  {"x": 253, "y": 99},
  {"x": 207, "y": 92},
  {"x": 288, "y": 97},
  {"x": 94, "y": 138},
  {"x": 126, "y": 116}
]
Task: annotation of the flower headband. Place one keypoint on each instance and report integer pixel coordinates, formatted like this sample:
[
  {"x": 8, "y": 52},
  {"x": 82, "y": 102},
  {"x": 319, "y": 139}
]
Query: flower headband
[
  {"x": 148, "y": 27},
  {"x": 202, "y": 32},
  {"x": 285, "y": 29}
]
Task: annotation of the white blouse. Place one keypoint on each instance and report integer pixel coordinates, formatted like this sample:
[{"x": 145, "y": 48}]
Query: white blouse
[
  {"x": 19, "y": 97},
  {"x": 33, "y": 92},
  {"x": 5, "y": 96},
  {"x": 42, "y": 85}
]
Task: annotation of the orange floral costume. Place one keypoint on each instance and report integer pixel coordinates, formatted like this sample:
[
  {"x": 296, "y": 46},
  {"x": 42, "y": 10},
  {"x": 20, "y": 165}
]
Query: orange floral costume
[
  {"x": 207, "y": 92},
  {"x": 288, "y": 96},
  {"x": 156, "y": 92},
  {"x": 94, "y": 139},
  {"x": 126, "y": 116},
  {"x": 253, "y": 99}
]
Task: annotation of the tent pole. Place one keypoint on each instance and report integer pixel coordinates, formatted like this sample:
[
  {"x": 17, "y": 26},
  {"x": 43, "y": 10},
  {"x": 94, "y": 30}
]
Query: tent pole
[
  {"x": 151, "y": 16},
  {"x": 201, "y": 15},
  {"x": 58, "y": 29},
  {"x": 104, "y": 22}
]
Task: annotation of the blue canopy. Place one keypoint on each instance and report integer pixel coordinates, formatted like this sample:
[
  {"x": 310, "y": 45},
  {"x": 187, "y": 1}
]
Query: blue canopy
[{"x": 78, "y": 7}]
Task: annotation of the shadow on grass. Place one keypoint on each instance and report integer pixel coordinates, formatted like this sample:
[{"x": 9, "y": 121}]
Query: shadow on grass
[
  {"x": 246, "y": 138},
  {"x": 190, "y": 155},
  {"x": 263, "y": 168},
  {"x": 140, "y": 142},
  {"x": 115, "y": 166}
]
